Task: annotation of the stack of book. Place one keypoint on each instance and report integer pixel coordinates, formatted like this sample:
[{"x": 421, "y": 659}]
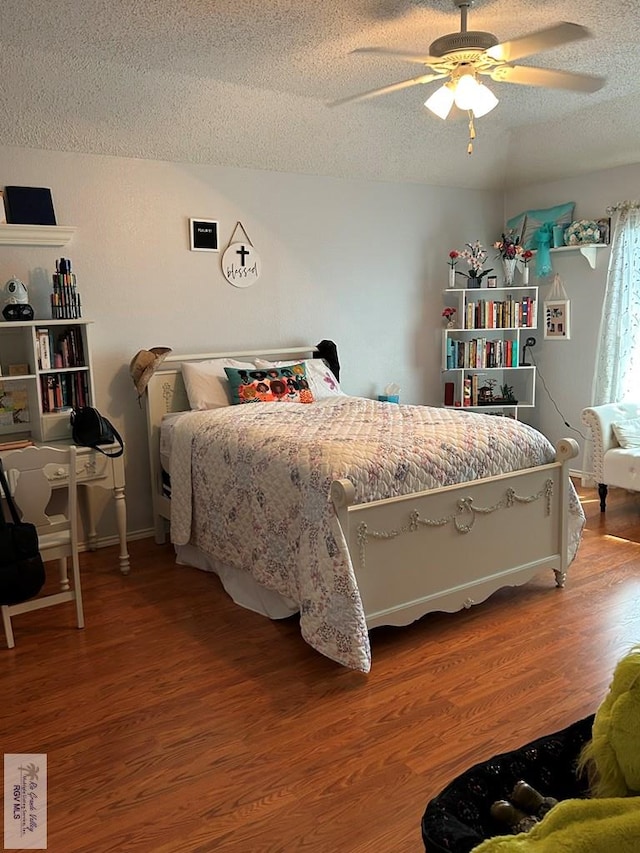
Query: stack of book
[{"x": 65, "y": 350}]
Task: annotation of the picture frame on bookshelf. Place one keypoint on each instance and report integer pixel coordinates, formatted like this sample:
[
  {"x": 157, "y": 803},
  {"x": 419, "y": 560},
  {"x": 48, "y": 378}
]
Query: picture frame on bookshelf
[
  {"x": 604, "y": 226},
  {"x": 557, "y": 320},
  {"x": 14, "y": 404},
  {"x": 492, "y": 281}
]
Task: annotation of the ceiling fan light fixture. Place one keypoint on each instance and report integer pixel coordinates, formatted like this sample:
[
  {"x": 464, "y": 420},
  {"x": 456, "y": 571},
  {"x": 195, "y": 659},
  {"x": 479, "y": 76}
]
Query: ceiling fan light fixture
[
  {"x": 484, "y": 101},
  {"x": 441, "y": 101},
  {"x": 462, "y": 58}
]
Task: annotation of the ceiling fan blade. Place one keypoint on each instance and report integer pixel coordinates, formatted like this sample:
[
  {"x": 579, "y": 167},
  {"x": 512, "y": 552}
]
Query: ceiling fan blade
[
  {"x": 407, "y": 55},
  {"x": 526, "y": 75},
  {"x": 385, "y": 90},
  {"x": 517, "y": 48}
]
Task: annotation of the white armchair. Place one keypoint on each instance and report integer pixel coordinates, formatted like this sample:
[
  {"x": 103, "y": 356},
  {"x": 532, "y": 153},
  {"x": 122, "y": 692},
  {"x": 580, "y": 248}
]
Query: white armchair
[{"x": 613, "y": 465}]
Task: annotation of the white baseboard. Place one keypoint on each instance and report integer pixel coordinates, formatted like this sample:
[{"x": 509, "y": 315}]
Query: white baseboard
[
  {"x": 579, "y": 474},
  {"x": 108, "y": 541}
]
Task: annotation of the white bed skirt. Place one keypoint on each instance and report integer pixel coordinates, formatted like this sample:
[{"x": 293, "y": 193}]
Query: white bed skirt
[{"x": 240, "y": 586}]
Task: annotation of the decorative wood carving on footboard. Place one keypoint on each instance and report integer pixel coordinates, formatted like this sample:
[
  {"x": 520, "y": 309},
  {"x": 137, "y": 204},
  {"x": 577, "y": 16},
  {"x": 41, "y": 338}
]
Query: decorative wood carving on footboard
[{"x": 450, "y": 548}]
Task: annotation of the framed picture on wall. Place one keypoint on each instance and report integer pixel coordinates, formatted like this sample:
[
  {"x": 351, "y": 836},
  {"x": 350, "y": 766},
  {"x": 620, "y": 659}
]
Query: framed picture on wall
[
  {"x": 203, "y": 235},
  {"x": 557, "y": 320}
]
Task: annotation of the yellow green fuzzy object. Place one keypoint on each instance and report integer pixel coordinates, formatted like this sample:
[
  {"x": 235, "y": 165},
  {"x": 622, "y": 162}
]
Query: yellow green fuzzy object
[
  {"x": 610, "y": 825},
  {"x": 610, "y": 820},
  {"x": 612, "y": 756}
]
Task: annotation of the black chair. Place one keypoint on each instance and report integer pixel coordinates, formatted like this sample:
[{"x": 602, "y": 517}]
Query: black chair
[{"x": 459, "y": 818}]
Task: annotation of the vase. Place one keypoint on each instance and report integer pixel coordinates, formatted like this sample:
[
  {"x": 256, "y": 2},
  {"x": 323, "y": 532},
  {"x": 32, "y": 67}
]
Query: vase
[
  {"x": 452, "y": 277},
  {"x": 509, "y": 267},
  {"x": 525, "y": 274}
]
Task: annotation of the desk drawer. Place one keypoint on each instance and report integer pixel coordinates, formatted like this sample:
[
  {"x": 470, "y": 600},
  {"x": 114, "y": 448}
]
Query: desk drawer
[{"x": 89, "y": 466}]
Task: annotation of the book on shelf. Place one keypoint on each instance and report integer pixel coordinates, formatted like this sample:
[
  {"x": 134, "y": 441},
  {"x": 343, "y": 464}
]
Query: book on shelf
[
  {"x": 466, "y": 392},
  {"x": 510, "y": 313},
  {"x": 481, "y": 353},
  {"x": 44, "y": 349},
  {"x": 474, "y": 389},
  {"x": 59, "y": 393}
]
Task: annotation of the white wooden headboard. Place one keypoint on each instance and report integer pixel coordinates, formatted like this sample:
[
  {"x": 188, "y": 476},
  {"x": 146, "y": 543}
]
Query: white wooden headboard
[{"x": 166, "y": 393}]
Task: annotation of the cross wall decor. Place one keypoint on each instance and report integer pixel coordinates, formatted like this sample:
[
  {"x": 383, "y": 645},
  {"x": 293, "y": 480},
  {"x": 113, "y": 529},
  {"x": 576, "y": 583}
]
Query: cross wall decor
[{"x": 240, "y": 261}]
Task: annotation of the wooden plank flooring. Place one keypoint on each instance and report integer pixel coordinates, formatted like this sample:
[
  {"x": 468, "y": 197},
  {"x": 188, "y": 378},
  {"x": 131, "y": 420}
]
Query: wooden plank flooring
[{"x": 178, "y": 723}]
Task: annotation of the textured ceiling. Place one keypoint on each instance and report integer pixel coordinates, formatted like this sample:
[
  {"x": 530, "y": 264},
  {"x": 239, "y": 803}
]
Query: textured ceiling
[{"x": 244, "y": 83}]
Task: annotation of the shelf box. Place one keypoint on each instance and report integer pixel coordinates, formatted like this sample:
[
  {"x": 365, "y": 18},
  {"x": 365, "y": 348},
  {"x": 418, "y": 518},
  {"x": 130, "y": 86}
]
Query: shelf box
[{"x": 56, "y": 427}]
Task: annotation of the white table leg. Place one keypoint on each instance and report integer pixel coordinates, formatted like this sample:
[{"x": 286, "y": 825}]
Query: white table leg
[
  {"x": 92, "y": 535},
  {"x": 121, "y": 520}
]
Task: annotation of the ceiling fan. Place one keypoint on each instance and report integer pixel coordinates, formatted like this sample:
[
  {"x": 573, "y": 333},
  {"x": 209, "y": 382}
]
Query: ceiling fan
[{"x": 462, "y": 58}]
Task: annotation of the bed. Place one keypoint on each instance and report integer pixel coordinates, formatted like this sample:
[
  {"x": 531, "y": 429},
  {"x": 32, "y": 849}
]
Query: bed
[{"x": 353, "y": 512}]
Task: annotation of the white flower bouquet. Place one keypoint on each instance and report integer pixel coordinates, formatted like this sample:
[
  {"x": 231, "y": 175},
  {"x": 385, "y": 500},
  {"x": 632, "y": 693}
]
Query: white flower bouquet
[{"x": 582, "y": 231}]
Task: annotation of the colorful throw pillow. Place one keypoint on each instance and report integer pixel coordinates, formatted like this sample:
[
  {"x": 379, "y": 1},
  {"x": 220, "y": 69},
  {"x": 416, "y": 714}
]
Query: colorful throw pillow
[
  {"x": 269, "y": 385},
  {"x": 322, "y": 382},
  {"x": 526, "y": 224},
  {"x": 627, "y": 432}
]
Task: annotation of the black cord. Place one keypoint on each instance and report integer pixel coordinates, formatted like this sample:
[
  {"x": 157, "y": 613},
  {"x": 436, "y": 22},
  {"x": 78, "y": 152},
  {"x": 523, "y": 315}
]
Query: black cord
[{"x": 544, "y": 384}]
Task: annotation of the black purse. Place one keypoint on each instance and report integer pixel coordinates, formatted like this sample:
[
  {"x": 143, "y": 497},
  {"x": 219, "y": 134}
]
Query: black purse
[
  {"x": 22, "y": 574},
  {"x": 90, "y": 429}
]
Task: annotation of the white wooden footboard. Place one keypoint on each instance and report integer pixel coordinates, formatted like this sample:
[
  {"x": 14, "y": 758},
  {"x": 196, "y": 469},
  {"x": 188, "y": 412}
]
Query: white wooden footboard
[{"x": 451, "y": 548}]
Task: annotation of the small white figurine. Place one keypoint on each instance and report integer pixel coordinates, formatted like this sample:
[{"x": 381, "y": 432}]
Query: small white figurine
[{"x": 16, "y": 301}]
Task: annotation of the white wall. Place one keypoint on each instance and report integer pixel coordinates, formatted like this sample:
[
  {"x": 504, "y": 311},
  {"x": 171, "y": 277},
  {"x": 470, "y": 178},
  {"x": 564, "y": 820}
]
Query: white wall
[
  {"x": 567, "y": 366},
  {"x": 361, "y": 263}
]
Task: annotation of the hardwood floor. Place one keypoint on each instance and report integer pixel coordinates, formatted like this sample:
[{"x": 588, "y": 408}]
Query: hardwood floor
[{"x": 178, "y": 723}]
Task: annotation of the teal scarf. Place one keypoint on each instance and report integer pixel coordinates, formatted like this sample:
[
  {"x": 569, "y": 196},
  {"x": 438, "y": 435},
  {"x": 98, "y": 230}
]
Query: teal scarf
[{"x": 542, "y": 238}]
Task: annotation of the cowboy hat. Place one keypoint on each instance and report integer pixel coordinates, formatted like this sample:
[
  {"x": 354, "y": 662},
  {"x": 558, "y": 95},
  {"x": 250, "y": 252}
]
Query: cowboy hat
[{"x": 143, "y": 365}]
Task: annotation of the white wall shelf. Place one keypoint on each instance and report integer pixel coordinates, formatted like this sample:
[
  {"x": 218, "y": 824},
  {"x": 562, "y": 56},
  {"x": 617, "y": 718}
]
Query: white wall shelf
[
  {"x": 587, "y": 250},
  {"x": 35, "y": 235}
]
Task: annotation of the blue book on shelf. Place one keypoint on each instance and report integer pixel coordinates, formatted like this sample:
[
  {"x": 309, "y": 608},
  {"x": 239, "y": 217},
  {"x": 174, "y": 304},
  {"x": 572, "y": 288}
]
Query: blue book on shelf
[{"x": 450, "y": 354}]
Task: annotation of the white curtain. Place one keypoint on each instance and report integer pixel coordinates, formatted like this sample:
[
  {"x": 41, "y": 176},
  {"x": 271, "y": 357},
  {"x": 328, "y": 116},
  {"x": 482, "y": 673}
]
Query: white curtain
[{"x": 617, "y": 369}]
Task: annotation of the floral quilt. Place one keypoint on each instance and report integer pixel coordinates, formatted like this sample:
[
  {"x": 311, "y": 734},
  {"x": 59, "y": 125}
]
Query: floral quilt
[{"x": 250, "y": 486}]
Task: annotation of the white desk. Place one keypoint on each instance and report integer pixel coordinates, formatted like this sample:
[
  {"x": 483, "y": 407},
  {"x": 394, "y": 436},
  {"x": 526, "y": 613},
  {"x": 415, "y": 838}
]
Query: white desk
[{"x": 95, "y": 470}]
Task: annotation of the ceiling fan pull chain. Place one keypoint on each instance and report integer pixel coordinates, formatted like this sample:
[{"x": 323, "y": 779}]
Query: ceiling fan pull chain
[{"x": 472, "y": 133}]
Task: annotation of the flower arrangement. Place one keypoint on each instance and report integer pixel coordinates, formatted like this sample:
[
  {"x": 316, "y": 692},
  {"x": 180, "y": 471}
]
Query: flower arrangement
[
  {"x": 448, "y": 314},
  {"x": 508, "y": 247},
  {"x": 582, "y": 231},
  {"x": 453, "y": 258},
  {"x": 475, "y": 256},
  {"x": 526, "y": 256}
]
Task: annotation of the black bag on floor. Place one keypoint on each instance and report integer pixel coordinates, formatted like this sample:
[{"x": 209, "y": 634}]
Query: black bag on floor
[
  {"x": 22, "y": 574},
  {"x": 89, "y": 428}
]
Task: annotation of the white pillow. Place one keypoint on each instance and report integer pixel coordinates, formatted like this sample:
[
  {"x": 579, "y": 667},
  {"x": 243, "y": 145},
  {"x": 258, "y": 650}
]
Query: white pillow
[
  {"x": 322, "y": 382},
  {"x": 627, "y": 432},
  {"x": 206, "y": 382}
]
